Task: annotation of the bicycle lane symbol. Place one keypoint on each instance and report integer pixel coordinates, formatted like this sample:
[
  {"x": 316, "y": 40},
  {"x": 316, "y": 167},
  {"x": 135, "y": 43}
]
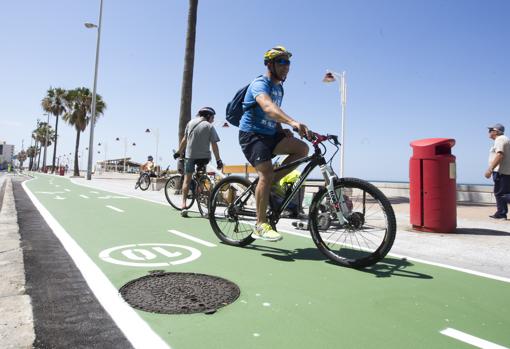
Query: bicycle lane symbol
[{"x": 150, "y": 255}]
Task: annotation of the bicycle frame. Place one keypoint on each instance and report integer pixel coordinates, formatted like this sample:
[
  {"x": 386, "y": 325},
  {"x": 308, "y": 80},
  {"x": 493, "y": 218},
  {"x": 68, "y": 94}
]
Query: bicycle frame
[{"x": 314, "y": 160}]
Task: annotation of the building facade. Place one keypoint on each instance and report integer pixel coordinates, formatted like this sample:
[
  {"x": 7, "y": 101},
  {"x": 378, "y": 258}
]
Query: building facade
[{"x": 6, "y": 154}]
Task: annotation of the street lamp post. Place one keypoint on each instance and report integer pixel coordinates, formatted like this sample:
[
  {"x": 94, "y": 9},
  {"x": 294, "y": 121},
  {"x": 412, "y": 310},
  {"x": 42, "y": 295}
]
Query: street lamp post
[
  {"x": 125, "y": 149},
  {"x": 105, "y": 149},
  {"x": 156, "y": 133},
  {"x": 46, "y": 140},
  {"x": 93, "y": 118},
  {"x": 342, "y": 87}
]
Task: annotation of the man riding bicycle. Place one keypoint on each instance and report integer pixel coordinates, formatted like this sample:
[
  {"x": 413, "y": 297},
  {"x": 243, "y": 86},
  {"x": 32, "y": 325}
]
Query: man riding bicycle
[
  {"x": 198, "y": 135},
  {"x": 148, "y": 166},
  {"x": 261, "y": 135}
]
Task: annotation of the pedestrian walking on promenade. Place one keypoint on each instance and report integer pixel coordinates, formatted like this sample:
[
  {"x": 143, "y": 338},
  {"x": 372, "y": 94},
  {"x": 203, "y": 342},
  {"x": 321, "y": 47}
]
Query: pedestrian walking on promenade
[{"x": 499, "y": 169}]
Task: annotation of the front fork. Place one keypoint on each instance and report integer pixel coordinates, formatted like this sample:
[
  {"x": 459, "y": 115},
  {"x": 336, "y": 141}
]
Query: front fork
[{"x": 337, "y": 199}]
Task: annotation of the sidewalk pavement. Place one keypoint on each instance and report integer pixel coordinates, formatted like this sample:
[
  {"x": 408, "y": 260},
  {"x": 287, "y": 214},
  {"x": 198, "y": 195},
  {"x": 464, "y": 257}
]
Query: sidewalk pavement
[{"x": 16, "y": 324}]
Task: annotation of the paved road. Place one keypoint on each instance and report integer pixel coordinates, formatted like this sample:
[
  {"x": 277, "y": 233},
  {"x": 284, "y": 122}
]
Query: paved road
[{"x": 290, "y": 295}]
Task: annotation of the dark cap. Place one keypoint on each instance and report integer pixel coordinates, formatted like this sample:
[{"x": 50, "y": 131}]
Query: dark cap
[{"x": 498, "y": 127}]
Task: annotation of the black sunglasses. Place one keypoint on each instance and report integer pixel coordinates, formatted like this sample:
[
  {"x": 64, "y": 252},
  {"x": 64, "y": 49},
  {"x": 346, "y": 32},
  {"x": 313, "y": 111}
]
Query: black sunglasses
[{"x": 282, "y": 61}]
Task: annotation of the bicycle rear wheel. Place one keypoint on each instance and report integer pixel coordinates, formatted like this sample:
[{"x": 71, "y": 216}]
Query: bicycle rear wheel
[
  {"x": 232, "y": 211},
  {"x": 202, "y": 194},
  {"x": 145, "y": 181},
  {"x": 369, "y": 232},
  {"x": 173, "y": 192}
]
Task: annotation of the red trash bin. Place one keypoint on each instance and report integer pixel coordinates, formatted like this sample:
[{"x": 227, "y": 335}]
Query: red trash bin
[
  {"x": 432, "y": 185},
  {"x": 62, "y": 170}
]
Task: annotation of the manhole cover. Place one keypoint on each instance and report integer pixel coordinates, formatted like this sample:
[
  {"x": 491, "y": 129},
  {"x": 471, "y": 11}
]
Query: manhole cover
[{"x": 179, "y": 293}]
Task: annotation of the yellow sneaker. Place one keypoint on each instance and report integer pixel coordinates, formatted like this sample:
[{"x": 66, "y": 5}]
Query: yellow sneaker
[{"x": 264, "y": 231}]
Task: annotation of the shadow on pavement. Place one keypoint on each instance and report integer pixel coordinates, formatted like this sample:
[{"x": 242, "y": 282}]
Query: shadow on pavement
[
  {"x": 388, "y": 267},
  {"x": 468, "y": 203},
  {"x": 284, "y": 255},
  {"x": 392, "y": 267},
  {"x": 479, "y": 231},
  {"x": 394, "y": 200}
]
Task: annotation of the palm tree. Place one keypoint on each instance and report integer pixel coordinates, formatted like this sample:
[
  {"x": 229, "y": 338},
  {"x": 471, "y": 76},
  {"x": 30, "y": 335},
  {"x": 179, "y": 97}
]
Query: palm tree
[
  {"x": 21, "y": 157},
  {"x": 39, "y": 134},
  {"x": 187, "y": 76},
  {"x": 54, "y": 104},
  {"x": 78, "y": 113},
  {"x": 31, "y": 153}
]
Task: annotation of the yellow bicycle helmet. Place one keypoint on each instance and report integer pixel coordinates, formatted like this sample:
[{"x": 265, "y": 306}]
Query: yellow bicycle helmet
[{"x": 275, "y": 52}]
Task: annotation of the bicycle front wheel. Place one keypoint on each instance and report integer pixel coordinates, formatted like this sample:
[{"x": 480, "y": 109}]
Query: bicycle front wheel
[
  {"x": 173, "y": 192},
  {"x": 232, "y": 211},
  {"x": 202, "y": 194},
  {"x": 145, "y": 181},
  {"x": 368, "y": 231}
]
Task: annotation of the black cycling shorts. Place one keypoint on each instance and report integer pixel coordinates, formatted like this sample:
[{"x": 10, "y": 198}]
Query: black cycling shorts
[
  {"x": 258, "y": 148},
  {"x": 189, "y": 164}
]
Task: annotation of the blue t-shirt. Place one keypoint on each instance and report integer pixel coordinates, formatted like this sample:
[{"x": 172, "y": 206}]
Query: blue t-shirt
[{"x": 254, "y": 119}]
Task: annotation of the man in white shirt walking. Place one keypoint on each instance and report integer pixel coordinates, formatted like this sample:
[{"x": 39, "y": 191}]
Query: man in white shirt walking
[{"x": 499, "y": 169}]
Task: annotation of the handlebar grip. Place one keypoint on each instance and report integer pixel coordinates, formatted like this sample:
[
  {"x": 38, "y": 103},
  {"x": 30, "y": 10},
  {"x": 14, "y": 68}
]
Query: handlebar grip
[{"x": 335, "y": 139}]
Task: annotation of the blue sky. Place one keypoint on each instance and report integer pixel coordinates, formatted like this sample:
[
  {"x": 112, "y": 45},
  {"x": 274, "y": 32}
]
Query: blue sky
[{"x": 415, "y": 69}]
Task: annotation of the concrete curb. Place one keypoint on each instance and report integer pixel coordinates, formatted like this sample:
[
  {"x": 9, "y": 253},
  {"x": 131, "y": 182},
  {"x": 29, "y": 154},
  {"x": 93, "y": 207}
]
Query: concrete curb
[{"x": 17, "y": 324}]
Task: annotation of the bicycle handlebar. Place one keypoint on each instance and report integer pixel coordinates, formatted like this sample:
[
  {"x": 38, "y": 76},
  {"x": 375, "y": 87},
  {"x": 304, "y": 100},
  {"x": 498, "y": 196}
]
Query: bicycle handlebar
[{"x": 318, "y": 138}]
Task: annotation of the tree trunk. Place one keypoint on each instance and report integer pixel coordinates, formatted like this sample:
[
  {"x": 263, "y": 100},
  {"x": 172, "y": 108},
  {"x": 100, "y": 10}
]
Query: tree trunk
[
  {"x": 31, "y": 161},
  {"x": 38, "y": 158},
  {"x": 77, "y": 146},
  {"x": 187, "y": 76},
  {"x": 55, "y": 146}
]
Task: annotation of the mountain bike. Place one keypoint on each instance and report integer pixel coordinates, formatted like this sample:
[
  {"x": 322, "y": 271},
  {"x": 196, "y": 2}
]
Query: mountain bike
[
  {"x": 200, "y": 188},
  {"x": 350, "y": 220}
]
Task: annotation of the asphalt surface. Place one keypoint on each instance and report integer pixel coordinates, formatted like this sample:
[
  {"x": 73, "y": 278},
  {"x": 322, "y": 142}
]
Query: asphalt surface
[{"x": 66, "y": 312}]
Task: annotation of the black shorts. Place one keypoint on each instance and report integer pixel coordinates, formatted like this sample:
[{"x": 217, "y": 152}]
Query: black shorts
[
  {"x": 189, "y": 164},
  {"x": 258, "y": 148}
]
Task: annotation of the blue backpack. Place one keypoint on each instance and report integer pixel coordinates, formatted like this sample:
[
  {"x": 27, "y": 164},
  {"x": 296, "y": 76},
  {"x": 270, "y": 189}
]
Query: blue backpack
[{"x": 235, "y": 108}]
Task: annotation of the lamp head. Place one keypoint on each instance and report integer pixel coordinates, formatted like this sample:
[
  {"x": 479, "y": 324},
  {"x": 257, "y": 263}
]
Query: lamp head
[{"x": 329, "y": 77}]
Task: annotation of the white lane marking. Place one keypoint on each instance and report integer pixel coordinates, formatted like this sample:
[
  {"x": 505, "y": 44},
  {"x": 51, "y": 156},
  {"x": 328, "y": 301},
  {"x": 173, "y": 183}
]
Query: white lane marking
[
  {"x": 130, "y": 253},
  {"x": 49, "y": 192},
  {"x": 112, "y": 197},
  {"x": 94, "y": 192},
  {"x": 192, "y": 238},
  {"x": 467, "y": 338},
  {"x": 136, "y": 330},
  {"x": 66, "y": 189},
  {"x": 447, "y": 266},
  {"x": 442, "y": 265},
  {"x": 84, "y": 196},
  {"x": 114, "y": 208},
  {"x": 56, "y": 185},
  {"x": 166, "y": 253},
  {"x": 58, "y": 197},
  {"x": 106, "y": 255}
]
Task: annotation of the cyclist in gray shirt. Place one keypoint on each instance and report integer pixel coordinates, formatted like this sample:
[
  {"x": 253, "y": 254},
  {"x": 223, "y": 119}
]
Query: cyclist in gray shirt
[{"x": 198, "y": 135}]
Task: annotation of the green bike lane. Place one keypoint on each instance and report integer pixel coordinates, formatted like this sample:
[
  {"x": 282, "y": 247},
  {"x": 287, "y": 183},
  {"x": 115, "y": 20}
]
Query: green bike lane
[{"x": 291, "y": 296}]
